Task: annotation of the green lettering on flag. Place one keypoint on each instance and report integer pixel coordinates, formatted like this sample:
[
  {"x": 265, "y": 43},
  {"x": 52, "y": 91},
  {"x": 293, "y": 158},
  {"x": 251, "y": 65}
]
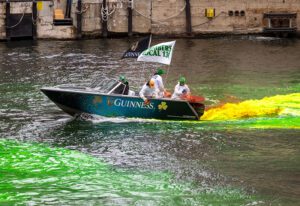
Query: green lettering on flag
[{"x": 161, "y": 53}]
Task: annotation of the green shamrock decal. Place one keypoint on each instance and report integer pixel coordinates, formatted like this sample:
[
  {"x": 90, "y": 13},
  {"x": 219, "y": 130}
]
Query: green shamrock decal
[{"x": 163, "y": 106}]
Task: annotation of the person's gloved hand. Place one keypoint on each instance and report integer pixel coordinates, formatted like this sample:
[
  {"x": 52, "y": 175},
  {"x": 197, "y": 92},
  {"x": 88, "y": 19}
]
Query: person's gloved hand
[
  {"x": 147, "y": 101},
  {"x": 184, "y": 91}
]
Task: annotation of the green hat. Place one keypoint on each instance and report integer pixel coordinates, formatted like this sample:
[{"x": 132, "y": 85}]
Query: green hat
[
  {"x": 182, "y": 80},
  {"x": 160, "y": 71},
  {"x": 122, "y": 78}
]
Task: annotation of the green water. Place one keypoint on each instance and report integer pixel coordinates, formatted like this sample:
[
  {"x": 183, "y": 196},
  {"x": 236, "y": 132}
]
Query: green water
[
  {"x": 38, "y": 174},
  {"x": 49, "y": 158}
]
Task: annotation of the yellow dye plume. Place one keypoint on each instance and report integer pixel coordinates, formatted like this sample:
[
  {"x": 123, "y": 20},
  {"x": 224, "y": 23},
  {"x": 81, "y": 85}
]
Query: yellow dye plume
[{"x": 268, "y": 106}]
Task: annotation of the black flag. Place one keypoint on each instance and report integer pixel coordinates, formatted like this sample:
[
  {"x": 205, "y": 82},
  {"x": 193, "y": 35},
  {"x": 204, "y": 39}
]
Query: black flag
[{"x": 137, "y": 48}]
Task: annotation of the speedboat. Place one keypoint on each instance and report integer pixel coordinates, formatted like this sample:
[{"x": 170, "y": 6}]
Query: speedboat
[{"x": 107, "y": 99}]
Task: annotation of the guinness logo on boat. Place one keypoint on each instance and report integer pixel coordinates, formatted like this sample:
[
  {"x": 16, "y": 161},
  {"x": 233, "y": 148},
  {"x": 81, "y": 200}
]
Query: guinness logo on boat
[
  {"x": 97, "y": 100},
  {"x": 110, "y": 101},
  {"x": 132, "y": 104}
]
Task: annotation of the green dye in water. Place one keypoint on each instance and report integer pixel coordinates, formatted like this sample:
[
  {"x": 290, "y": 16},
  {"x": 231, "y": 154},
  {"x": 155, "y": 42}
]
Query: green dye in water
[{"x": 34, "y": 173}]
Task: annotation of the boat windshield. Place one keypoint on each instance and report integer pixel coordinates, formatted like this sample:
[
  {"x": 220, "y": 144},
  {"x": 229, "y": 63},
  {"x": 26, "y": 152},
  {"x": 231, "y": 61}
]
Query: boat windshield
[{"x": 105, "y": 86}]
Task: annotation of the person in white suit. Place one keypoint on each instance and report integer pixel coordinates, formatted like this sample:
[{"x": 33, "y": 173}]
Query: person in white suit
[
  {"x": 148, "y": 91},
  {"x": 159, "y": 85},
  {"x": 181, "y": 90}
]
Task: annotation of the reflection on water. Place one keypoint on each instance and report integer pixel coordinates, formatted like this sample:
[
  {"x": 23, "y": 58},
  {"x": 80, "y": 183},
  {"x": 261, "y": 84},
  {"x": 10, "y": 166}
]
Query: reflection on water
[{"x": 258, "y": 155}]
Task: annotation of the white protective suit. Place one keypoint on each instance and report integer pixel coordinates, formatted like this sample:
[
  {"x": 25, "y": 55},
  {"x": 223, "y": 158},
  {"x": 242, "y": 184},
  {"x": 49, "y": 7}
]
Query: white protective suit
[
  {"x": 159, "y": 85},
  {"x": 147, "y": 92},
  {"x": 180, "y": 90}
]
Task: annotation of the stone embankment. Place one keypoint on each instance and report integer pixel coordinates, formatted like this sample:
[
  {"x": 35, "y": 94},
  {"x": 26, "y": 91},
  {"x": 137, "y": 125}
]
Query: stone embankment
[{"x": 65, "y": 19}]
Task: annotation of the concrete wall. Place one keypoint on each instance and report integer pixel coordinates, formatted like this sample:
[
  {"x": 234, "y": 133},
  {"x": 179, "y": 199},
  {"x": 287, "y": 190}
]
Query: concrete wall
[
  {"x": 16, "y": 8},
  {"x": 142, "y": 16},
  {"x": 160, "y": 17},
  {"x": 167, "y": 14},
  {"x": 44, "y": 22},
  {"x": 2, "y": 21},
  {"x": 252, "y": 22},
  {"x": 91, "y": 17},
  {"x": 117, "y": 19},
  {"x": 45, "y": 27}
]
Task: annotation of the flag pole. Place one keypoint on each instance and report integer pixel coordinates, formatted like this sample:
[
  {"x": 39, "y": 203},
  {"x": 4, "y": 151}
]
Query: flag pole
[
  {"x": 168, "y": 68},
  {"x": 141, "y": 79},
  {"x": 143, "y": 68}
]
